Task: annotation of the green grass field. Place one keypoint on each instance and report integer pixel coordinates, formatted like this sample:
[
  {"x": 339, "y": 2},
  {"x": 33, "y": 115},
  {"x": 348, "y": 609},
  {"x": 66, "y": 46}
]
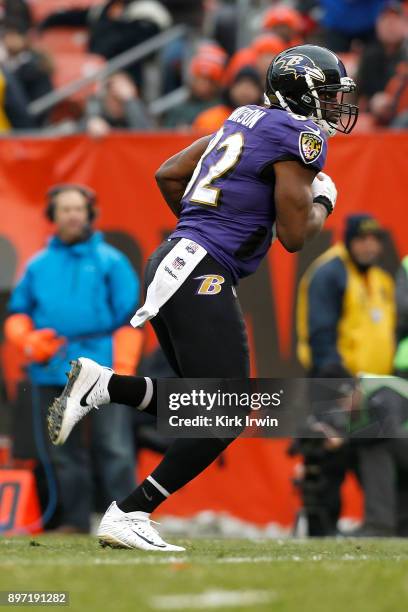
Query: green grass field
[{"x": 283, "y": 575}]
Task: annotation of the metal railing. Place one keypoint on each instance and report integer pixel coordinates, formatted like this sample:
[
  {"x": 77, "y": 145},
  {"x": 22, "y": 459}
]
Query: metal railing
[
  {"x": 154, "y": 44},
  {"x": 170, "y": 100}
]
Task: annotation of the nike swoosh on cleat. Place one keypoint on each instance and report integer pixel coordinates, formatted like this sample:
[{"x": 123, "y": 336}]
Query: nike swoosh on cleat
[
  {"x": 85, "y": 397},
  {"x": 149, "y": 541}
]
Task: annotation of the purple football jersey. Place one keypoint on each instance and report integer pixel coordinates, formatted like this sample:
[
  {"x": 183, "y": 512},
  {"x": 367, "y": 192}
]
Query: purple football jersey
[{"x": 228, "y": 206}]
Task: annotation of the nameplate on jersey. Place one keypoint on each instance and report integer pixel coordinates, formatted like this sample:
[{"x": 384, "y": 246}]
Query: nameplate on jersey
[
  {"x": 310, "y": 146},
  {"x": 246, "y": 116}
]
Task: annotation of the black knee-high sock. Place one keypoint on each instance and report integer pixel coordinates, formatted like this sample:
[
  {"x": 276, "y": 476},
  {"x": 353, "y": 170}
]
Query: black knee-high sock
[
  {"x": 184, "y": 460},
  {"x": 134, "y": 391}
]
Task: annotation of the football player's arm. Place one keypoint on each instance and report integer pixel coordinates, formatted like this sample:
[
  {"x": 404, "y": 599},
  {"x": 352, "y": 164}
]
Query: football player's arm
[
  {"x": 173, "y": 176},
  {"x": 297, "y": 217}
]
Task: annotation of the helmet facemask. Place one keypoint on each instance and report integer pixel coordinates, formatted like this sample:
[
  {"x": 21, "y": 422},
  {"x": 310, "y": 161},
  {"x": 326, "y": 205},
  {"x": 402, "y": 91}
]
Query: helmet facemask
[{"x": 327, "y": 107}]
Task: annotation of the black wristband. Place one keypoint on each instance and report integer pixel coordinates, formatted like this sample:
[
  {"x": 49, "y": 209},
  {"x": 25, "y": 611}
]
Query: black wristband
[{"x": 324, "y": 202}]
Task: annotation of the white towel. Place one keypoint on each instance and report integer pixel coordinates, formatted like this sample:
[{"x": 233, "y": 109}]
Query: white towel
[{"x": 173, "y": 270}]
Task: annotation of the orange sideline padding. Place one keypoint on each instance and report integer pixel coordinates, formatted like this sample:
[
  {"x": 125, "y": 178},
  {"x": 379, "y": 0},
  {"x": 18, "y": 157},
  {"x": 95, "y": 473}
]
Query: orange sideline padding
[
  {"x": 370, "y": 173},
  {"x": 19, "y": 505}
]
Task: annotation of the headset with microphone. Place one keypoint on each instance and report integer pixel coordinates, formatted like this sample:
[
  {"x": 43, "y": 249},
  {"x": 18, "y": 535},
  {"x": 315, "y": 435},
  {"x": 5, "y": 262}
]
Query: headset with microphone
[{"x": 88, "y": 193}]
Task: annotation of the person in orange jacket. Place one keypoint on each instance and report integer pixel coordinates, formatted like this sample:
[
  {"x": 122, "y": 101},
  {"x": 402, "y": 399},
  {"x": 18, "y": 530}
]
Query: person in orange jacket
[
  {"x": 77, "y": 295},
  {"x": 259, "y": 55},
  {"x": 206, "y": 74},
  {"x": 245, "y": 89},
  {"x": 285, "y": 22}
]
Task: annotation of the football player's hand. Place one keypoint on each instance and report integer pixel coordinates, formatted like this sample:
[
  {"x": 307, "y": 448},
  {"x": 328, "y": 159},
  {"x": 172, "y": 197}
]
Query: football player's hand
[
  {"x": 324, "y": 191},
  {"x": 42, "y": 344}
]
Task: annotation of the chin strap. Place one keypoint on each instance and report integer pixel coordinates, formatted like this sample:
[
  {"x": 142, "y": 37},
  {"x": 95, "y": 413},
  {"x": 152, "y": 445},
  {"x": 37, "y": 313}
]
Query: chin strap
[
  {"x": 282, "y": 101},
  {"x": 322, "y": 123},
  {"x": 315, "y": 95},
  {"x": 329, "y": 130}
]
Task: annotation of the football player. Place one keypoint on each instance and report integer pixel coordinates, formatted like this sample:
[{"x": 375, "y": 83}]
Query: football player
[{"x": 259, "y": 178}]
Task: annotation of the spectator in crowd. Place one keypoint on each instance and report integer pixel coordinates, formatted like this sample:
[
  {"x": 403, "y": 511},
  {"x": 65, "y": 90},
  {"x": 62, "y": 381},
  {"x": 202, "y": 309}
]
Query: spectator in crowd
[
  {"x": 247, "y": 88},
  {"x": 381, "y": 444},
  {"x": 16, "y": 10},
  {"x": 345, "y": 311},
  {"x": 346, "y": 22},
  {"x": 223, "y": 22},
  {"x": 259, "y": 54},
  {"x": 116, "y": 26},
  {"x": 31, "y": 68},
  {"x": 205, "y": 84},
  {"x": 381, "y": 58},
  {"x": 364, "y": 419},
  {"x": 13, "y": 104},
  {"x": 266, "y": 48},
  {"x": 286, "y": 23},
  {"x": 397, "y": 89},
  {"x": 174, "y": 55},
  {"x": 173, "y": 61},
  {"x": 359, "y": 308},
  {"x": 210, "y": 49},
  {"x": 117, "y": 106},
  {"x": 75, "y": 298},
  {"x": 401, "y": 357},
  {"x": 390, "y": 107},
  {"x": 186, "y": 12},
  {"x": 281, "y": 28}
]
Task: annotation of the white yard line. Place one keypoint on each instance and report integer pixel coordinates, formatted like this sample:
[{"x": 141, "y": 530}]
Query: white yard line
[
  {"x": 212, "y": 599},
  {"x": 158, "y": 559}
]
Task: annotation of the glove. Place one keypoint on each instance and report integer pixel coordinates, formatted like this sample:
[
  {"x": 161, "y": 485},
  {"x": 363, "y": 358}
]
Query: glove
[
  {"x": 37, "y": 344},
  {"x": 324, "y": 192},
  {"x": 42, "y": 344}
]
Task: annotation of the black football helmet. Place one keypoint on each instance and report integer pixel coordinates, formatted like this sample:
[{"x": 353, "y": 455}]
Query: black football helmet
[{"x": 312, "y": 81}]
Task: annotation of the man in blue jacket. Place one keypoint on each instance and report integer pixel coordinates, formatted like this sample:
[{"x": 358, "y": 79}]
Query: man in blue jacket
[{"x": 74, "y": 298}]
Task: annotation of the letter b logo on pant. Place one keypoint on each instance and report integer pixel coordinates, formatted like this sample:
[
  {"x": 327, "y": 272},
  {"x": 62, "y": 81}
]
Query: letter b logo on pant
[{"x": 211, "y": 285}]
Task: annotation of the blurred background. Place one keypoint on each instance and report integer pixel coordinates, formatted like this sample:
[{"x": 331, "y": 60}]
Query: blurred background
[{"x": 94, "y": 96}]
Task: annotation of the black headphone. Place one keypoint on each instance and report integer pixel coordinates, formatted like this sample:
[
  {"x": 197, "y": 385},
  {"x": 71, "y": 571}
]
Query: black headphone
[{"x": 88, "y": 193}]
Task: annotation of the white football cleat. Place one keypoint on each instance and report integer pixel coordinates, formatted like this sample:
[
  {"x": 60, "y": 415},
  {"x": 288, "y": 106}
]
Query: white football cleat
[
  {"x": 87, "y": 388},
  {"x": 131, "y": 530}
]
